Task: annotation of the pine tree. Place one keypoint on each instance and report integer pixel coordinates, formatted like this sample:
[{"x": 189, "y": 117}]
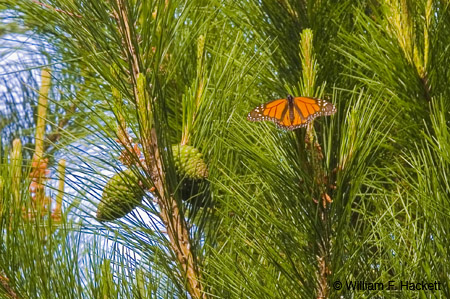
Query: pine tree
[{"x": 134, "y": 173}]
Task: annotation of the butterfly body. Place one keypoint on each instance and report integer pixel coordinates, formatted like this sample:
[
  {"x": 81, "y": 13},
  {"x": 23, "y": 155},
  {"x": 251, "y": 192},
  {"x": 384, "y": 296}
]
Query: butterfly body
[{"x": 291, "y": 113}]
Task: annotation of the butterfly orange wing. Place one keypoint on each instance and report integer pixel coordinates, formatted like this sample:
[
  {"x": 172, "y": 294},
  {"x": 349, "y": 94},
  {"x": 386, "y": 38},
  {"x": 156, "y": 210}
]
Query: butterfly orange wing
[
  {"x": 273, "y": 111},
  {"x": 306, "y": 109},
  {"x": 302, "y": 111}
]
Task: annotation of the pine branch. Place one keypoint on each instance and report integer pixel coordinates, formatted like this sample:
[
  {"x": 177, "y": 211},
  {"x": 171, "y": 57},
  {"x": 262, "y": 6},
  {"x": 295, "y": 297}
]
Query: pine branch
[
  {"x": 10, "y": 293},
  {"x": 176, "y": 226},
  {"x": 55, "y": 136},
  {"x": 57, "y": 10},
  {"x": 320, "y": 177},
  {"x": 170, "y": 212}
]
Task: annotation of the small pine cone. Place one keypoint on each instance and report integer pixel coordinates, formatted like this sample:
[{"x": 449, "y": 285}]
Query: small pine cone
[
  {"x": 121, "y": 194},
  {"x": 189, "y": 162}
]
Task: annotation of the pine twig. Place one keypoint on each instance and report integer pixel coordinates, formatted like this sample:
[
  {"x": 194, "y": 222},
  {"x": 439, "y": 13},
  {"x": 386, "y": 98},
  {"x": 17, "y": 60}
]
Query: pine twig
[
  {"x": 177, "y": 229},
  {"x": 10, "y": 293},
  {"x": 170, "y": 212},
  {"x": 309, "y": 68},
  {"x": 57, "y": 9},
  {"x": 52, "y": 138}
]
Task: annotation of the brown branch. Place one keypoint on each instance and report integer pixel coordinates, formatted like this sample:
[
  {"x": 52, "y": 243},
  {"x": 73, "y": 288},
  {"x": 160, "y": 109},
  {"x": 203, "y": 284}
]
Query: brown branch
[
  {"x": 323, "y": 290},
  {"x": 4, "y": 282},
  {"x": 62, "y": 11},
  {"x": 52, "y": 138},
  {"x": 170, "y": 212},
  {"x": 125, "y": 30},
  {"x": 425, "y": 82},
  {"x": 321, "y": 179},
  {"x": 177, "y": 228},
  {"x": 56, "y": 9}
]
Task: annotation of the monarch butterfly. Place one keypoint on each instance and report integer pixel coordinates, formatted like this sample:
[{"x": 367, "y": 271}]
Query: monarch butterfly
[{"x": 291, "y": 113}]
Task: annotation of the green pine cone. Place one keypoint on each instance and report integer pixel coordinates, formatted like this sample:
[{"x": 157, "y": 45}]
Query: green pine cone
[
  {"x": 122, "y": 194},
  {"x": 189, "y": 162}
]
